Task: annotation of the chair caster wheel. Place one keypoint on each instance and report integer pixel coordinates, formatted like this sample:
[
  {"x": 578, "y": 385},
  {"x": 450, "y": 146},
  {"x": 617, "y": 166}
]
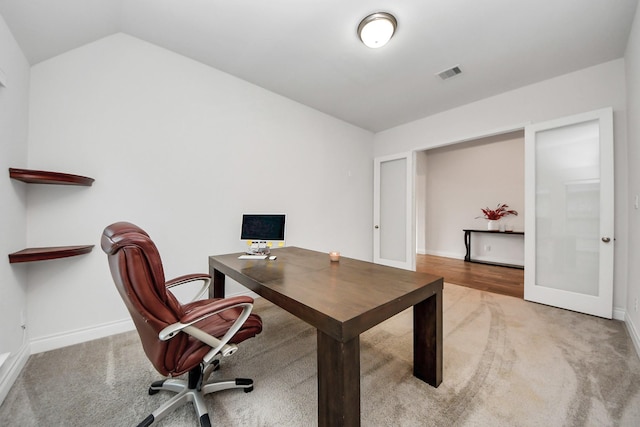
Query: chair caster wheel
[
  {"x": 205, "y": 421},
  {"x": 157, "y": 385}
]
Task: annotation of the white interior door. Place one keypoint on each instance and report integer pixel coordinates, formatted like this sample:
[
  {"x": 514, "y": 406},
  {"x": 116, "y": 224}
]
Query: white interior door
[
  {"x": 393, "y": 218},
  {"x": 569, "y": 213}
]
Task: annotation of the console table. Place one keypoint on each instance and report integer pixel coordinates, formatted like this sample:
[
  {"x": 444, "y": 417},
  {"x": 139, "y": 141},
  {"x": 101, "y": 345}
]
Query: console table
[{"x": 467, "y": 244}]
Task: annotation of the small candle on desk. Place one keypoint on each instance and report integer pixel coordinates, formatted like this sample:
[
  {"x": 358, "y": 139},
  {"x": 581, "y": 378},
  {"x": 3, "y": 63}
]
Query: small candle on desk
[{"x": 334, "y": 256}]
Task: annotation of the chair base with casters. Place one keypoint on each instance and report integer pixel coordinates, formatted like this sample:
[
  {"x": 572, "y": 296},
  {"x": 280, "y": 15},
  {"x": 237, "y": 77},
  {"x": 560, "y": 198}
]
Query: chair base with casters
[{"x": 192, "y": 390}]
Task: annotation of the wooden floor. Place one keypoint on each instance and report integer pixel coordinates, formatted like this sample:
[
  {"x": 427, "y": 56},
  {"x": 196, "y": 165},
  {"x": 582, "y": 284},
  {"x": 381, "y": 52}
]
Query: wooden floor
[{"x": 500, "y": 280}]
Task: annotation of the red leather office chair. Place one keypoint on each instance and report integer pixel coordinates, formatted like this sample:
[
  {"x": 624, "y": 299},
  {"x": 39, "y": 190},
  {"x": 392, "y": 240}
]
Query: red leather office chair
[{"x": 177, "y": 338}]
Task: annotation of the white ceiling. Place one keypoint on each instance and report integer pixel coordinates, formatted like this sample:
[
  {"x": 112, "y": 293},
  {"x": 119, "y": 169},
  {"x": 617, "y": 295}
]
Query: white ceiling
[{"x": 308, "y": 50}]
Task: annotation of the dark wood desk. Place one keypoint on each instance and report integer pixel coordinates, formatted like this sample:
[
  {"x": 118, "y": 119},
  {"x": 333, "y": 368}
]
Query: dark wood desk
[
  {"x": 342, "y": 300},
  {"x": 467, "y": 245}
]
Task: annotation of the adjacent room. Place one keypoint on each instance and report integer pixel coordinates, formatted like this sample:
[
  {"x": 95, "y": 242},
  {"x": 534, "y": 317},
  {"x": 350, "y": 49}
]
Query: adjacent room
[
  {"x": 180, "y": 117},
  {"x": 452, "y": 183}
]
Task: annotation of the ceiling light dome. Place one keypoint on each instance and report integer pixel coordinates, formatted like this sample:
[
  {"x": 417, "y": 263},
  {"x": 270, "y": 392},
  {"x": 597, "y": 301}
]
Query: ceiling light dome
[{"x": 377, "y": 29}]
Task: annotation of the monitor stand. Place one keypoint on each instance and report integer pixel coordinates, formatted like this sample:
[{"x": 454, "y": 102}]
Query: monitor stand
[{"x": 258, "y": 248}]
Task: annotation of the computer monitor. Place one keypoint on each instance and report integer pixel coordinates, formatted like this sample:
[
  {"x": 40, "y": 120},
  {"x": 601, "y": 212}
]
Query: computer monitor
[{"x": 263, "y": 231}]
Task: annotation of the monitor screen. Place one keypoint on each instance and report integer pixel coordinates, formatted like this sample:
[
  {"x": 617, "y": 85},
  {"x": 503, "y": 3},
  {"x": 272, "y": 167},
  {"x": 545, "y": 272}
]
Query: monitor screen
[{"x": 265, "y": 227}]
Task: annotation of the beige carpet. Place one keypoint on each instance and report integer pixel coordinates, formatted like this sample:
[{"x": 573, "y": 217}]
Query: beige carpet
[{"x": 507, "y": 362}]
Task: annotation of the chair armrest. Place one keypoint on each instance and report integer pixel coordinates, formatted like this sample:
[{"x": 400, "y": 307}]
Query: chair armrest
[
  {"x": 187, "y": 278},
  {"x": 218, "y": 345},
  {"x": 214, "y": 307}
]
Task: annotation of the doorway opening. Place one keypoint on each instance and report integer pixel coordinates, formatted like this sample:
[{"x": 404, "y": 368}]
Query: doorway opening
[{"x": 453, "y": 183}]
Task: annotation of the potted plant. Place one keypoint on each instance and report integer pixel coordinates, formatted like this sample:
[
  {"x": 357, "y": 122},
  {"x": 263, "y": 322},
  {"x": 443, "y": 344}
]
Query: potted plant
[{"x": 494, "y": 215}]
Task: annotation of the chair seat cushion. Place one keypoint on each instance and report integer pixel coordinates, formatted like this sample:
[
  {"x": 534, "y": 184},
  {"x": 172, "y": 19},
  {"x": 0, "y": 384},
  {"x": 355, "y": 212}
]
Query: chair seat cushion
[{"x": 216, "y": 325}]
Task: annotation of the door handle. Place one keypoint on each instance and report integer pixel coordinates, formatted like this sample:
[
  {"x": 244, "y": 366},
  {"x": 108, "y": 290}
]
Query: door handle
[{"x": 606, "y": 239}]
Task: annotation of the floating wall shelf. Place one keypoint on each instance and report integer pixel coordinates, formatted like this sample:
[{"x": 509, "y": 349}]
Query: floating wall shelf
[
  {"x": 54, "y": 252},
  {"x": 44, "y": 177}
]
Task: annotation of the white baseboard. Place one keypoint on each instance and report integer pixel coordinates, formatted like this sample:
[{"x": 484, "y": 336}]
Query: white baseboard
[
  {"x": 453, "y": 255},
  {"x": 633, "y": 332},
  {"x": 619, "y": 313},
  {"x": 246, "y": 293},
  {"x": 3, "y": 358},
  {"x": 52, "y": 342},
  {"x": 10, "y": 370},
  {"x": 512, "y": 261}
]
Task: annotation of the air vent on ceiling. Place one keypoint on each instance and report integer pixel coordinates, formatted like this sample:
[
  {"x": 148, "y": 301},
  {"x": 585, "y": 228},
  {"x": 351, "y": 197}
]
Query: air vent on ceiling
[{"x": 451, "y": 72}]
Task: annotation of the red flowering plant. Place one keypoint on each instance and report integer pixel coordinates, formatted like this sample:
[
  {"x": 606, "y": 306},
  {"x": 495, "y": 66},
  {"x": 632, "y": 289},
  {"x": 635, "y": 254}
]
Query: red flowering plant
[{"x": 497, "y": 213}]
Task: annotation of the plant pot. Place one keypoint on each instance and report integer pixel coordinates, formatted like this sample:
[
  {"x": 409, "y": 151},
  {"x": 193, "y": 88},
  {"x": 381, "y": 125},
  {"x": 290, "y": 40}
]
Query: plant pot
[{"x": 492, "y": 225}]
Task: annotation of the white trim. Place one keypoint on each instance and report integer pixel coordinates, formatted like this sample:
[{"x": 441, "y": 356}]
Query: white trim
[
  {"x": 3, "y": 78},
  {"x": 633, "y": 333},
  {"x": 3, "y": 358},
  {"x": 251, "y": 294},
  {"x": 11, "y": 369},
  {"x": 247, "y": 293},
  {"x": 619, "y": 313},
  {"x": 495, "y": 132},
  {"x": 444, "y": 254},
  {"x": 514, "y": 261},
  {"x": 78, "y": 336}
]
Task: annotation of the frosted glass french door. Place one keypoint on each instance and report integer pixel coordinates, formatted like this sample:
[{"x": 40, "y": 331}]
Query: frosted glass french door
[
  {"x": 569, "y": 213},
  {"x": 393, "y": 218}
]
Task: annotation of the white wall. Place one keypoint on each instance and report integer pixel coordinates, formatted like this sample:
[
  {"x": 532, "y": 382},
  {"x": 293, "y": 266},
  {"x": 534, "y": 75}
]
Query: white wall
[
  {"x": 182, "y": 150},
  {"x": 586, "y": 90},
  {"x": 13, "y": 153},
  {"x": 632, "y": 62},
  {"x": 461, "y": 179}
]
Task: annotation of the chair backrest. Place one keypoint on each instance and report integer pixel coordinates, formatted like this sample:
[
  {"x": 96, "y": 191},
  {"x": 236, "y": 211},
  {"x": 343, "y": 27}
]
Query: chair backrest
[{"x": 136, "y": 268}]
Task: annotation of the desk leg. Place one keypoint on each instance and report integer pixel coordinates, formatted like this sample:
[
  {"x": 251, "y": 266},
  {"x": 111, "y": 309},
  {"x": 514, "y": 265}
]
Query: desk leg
[
  {"x": 338, "y": 382},
  {"x": 427, "y": 339},
  {"x": 467, "y": 245},
  {"x": 216, "y": 290}
]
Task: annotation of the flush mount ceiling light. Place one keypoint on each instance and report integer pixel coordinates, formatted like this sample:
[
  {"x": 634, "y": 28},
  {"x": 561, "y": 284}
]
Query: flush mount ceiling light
[{"x": 377, "y": 29}]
